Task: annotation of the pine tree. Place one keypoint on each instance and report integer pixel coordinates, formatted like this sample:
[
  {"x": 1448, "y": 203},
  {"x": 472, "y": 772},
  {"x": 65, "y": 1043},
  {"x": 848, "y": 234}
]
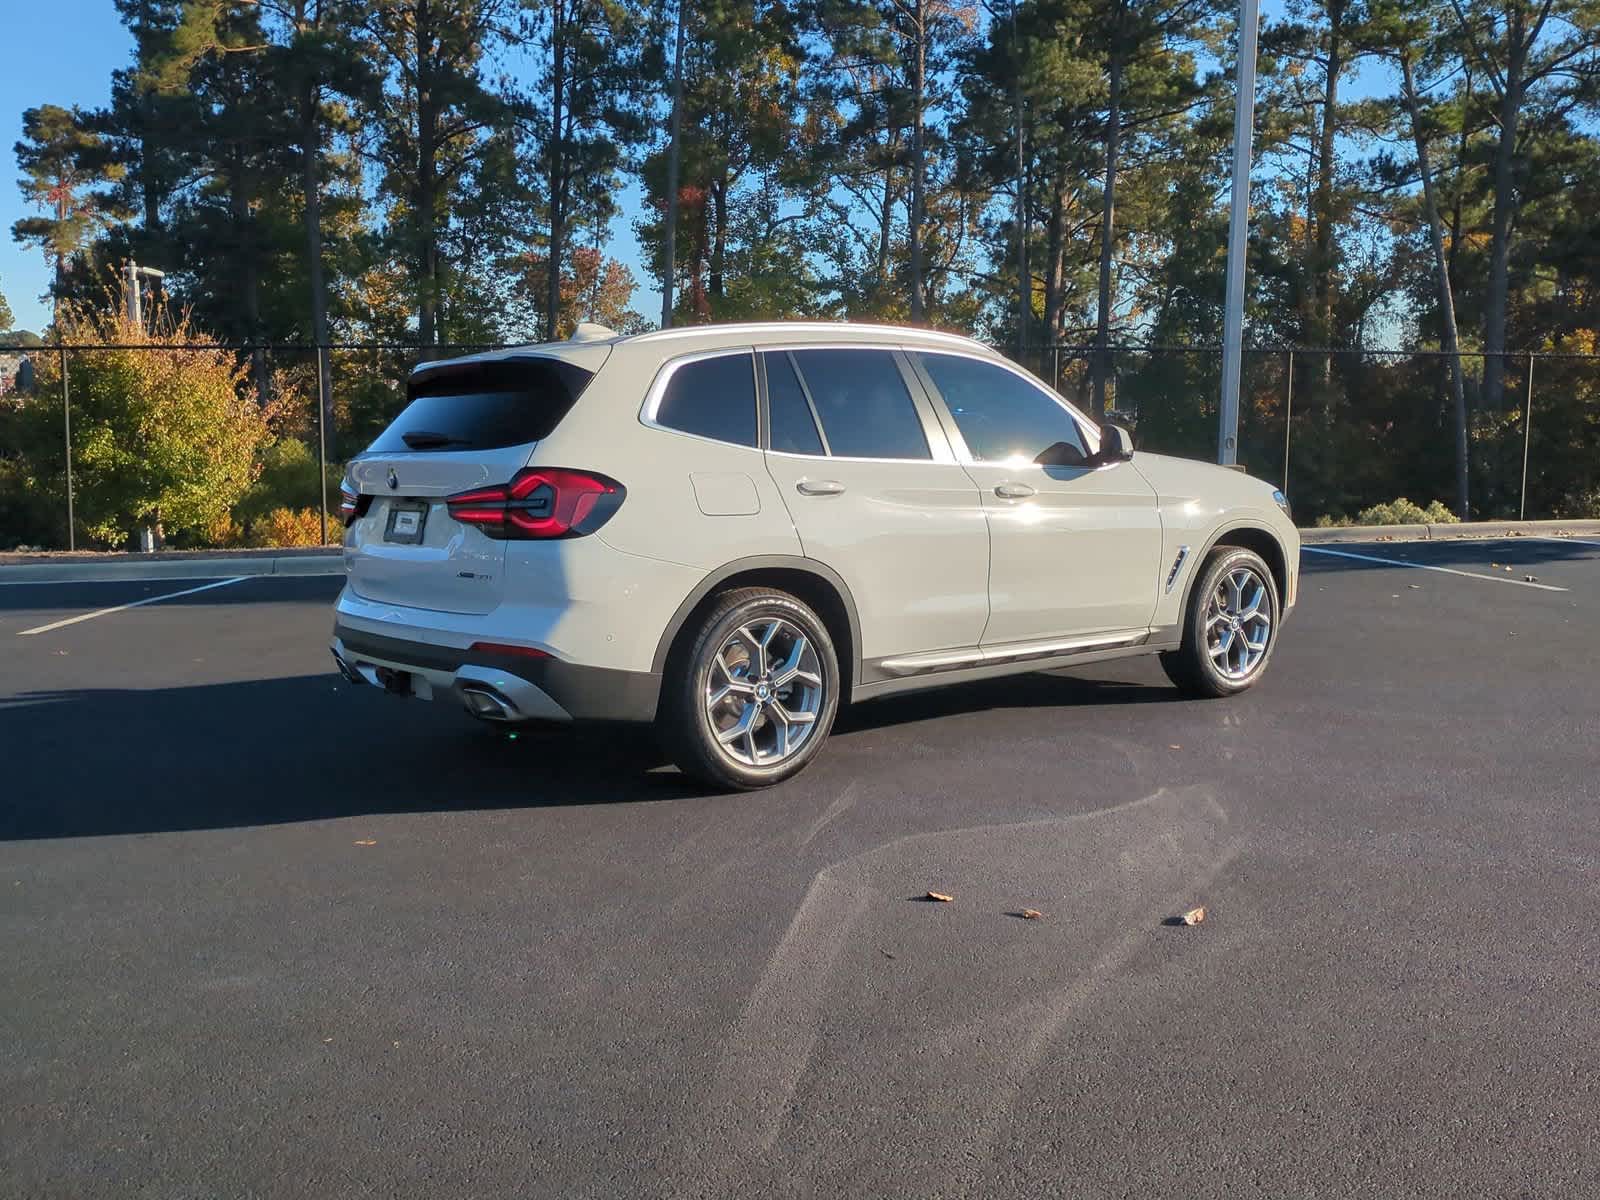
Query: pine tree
[{"x": 69, "y": 170}]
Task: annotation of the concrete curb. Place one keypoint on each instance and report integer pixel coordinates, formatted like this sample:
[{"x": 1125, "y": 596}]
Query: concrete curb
[
  {"x": 1453, "y": 532},
  {"x": 196, "y": 566}
]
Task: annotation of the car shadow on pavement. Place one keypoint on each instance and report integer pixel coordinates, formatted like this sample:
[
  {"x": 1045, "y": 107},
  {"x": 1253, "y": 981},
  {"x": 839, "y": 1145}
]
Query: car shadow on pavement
[
  {"x": 97, "y": 762},
  {"x": 1035, "y": 691}
]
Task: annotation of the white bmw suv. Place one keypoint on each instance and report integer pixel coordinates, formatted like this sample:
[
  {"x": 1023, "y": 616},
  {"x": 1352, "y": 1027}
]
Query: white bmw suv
[{"x": 731, "y": 530}]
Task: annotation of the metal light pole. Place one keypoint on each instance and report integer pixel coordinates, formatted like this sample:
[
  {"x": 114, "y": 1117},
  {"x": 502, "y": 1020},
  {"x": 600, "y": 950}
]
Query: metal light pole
[
  {"x": 675, "y": 150},
  {"x": 1527, "y": 440},
  {"x": 1244, "y": 115},
  {"x": 131, "y": 301},
  {"x": 66, "y": 425}
]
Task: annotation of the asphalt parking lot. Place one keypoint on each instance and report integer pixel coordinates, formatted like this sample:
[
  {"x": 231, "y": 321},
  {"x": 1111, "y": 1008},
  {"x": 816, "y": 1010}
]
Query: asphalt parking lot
[{"x": 266, "y": 934}]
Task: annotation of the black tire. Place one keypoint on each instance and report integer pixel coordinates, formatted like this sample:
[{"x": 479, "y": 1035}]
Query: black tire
[
  {"x": 1193, "y": 667},
  {"x": 685, "y": 722}
]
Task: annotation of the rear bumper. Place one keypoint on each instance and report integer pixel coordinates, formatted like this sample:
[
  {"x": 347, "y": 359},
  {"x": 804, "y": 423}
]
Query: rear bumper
[{"x": 503, "y": 687}]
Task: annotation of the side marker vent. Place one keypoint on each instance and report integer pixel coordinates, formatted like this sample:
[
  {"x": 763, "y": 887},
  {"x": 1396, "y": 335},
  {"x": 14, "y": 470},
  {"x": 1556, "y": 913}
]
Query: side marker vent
[{"x": 1177, "y": 565}]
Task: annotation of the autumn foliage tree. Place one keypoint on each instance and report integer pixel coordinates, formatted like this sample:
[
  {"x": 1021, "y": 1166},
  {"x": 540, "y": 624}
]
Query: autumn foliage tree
[{"x": 165, "y": 439}]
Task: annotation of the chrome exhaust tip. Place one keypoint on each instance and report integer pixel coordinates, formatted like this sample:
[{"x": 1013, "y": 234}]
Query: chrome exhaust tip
[
  {"x": 350, "y": 674},
  {"x": 488, "y": 705}
]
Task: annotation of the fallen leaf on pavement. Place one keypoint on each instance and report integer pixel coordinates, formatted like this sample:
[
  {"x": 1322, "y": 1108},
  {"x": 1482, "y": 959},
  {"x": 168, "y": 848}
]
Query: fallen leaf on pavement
[
  {"x": 1174, "y": 746},
  {"x": 1415, "y": 587},
  {"x": 1031, "y": 914},
  {"x": 940, "y": 897},
  {"x": 366, "y": 842},
  {"x": 1194, "y": 916}
]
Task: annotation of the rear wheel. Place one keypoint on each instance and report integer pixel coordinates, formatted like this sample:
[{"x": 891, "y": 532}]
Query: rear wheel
[
  {"x": 1230, "y": 628},
  {"x": 751, "y": 691}
]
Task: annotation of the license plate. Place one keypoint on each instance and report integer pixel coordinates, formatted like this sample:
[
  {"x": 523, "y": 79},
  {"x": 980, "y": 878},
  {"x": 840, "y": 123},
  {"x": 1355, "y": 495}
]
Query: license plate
[{"x": 405, "y": 523}]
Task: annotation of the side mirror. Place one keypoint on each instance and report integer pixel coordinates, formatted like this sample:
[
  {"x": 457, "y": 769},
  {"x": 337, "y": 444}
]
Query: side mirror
[{"x": 1116, "y": 445}]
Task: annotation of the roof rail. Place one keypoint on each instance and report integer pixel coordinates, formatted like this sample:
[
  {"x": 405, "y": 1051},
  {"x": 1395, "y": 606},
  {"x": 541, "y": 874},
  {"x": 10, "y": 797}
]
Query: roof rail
[{"x": 897, "y": 332}]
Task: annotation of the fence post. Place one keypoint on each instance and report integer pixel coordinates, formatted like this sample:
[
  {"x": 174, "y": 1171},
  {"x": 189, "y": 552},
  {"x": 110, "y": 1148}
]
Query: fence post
[
  {"x": 322, "y": 439},
  {"x": 66, "y": 425},
  {"x": 1288, "y": 423},
  {"x": 1527, "y": 437}
]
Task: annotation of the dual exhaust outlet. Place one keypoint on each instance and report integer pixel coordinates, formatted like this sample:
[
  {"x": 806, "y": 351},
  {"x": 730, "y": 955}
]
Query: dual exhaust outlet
[{"x": 481, "y": 701}]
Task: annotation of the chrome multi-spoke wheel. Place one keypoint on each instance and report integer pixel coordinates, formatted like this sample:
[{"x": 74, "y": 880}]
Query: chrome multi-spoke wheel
[
  {"x": 764, "y": 691},
  {"x": 1238, "y": 622},
  {"x": 751, "y": 690},
  {"x": 1229, "y": 625}
]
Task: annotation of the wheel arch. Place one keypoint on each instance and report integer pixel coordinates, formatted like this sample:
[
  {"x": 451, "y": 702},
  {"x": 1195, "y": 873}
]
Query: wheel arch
[
  {"x": 807, "y": 580},
  {"x": 1246, "y": 535}
]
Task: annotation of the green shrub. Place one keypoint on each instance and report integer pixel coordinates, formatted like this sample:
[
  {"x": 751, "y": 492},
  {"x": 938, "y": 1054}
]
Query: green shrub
[
  {"x": 1580, "y": 506},
  {"x": 288, "y": 479},
  {"x": 1404, "y": 512},
  {"x": 1396, "y": 512}
]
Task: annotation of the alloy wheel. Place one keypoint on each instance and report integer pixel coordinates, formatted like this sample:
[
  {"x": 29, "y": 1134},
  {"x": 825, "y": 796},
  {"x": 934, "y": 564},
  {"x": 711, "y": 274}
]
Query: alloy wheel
[
  {"x": 1238, "y": 623},
  {"x": 764, "y": 692}
]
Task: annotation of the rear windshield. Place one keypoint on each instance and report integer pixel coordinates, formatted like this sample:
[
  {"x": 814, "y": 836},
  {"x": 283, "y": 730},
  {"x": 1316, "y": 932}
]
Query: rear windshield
[{"x": 483, "y": 406}]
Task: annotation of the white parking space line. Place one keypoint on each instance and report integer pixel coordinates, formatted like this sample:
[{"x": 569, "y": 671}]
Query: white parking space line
[
  {"x": 1566, "y": 540},
  {"x": 103, "y": 612},
  {"x": 1397, "y": 562}
]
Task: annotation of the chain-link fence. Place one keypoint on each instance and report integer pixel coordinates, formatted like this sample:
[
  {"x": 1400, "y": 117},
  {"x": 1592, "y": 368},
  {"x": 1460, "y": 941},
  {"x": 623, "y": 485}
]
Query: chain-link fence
[
  {"x": 1344, "y": 430},
  {"x": 1339, "y": 430}
]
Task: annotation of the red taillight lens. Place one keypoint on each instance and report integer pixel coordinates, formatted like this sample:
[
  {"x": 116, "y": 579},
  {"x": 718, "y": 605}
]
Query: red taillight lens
[
  {"x": 540, "y": 502},
  {"x": 352, "y": 505},
  {"x": 507, "y": 648}
]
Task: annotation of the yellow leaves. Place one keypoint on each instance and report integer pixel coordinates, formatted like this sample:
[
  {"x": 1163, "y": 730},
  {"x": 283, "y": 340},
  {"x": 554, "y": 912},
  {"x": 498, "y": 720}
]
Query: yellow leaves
[{"x": 291, "y": 527}]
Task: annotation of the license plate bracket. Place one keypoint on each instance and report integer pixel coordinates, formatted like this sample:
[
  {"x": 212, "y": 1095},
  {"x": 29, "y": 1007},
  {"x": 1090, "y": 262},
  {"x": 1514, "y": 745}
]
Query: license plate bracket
[{"x": 406, "y": 521}]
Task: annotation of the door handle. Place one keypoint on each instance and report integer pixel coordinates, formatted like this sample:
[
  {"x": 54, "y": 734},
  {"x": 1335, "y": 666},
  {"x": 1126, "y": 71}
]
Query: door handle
[
  {"x": 1013, "y": 491},
  {"x": 819, "y": 487}
]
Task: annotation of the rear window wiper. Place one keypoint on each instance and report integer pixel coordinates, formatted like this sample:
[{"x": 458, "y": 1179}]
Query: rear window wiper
[{"x": 427, "y": 439}]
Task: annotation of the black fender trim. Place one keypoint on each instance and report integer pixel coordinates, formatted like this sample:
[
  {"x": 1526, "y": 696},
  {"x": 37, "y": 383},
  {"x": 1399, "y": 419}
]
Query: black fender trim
[
  {"x": 761, "y": 562},
  {"x": 1198, "y": 560}
]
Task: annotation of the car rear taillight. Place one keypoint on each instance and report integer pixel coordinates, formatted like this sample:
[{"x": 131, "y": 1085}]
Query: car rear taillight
[
  {"x": 540, "y": 502},
  {"x": 352, "y": 505}
]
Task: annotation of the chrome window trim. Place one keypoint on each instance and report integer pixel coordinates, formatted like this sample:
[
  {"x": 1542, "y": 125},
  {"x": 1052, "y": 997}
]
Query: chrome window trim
[
  {"x": 805, "y": 394},
  {"x": 1086, "y": 428},
  {"x": 658, "y": 389},
  {"x": 933, "y": 432}
]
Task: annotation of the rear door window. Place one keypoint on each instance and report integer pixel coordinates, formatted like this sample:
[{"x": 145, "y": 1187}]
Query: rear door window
[
  {"x": 712, "y": 398},
  {"x": 794, "y": 429},
  {"x": 484, "y": 406},
  {"x": 865, "y": 408}
]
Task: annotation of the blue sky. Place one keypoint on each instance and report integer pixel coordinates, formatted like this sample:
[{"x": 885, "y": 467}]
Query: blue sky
[{"x": 73, "y": 46}]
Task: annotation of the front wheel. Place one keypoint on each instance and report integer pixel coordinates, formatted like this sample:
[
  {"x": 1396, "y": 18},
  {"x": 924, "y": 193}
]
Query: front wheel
[
  {"x": 751, "y": 691},
  {"x": 1230, "y": 628}
]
